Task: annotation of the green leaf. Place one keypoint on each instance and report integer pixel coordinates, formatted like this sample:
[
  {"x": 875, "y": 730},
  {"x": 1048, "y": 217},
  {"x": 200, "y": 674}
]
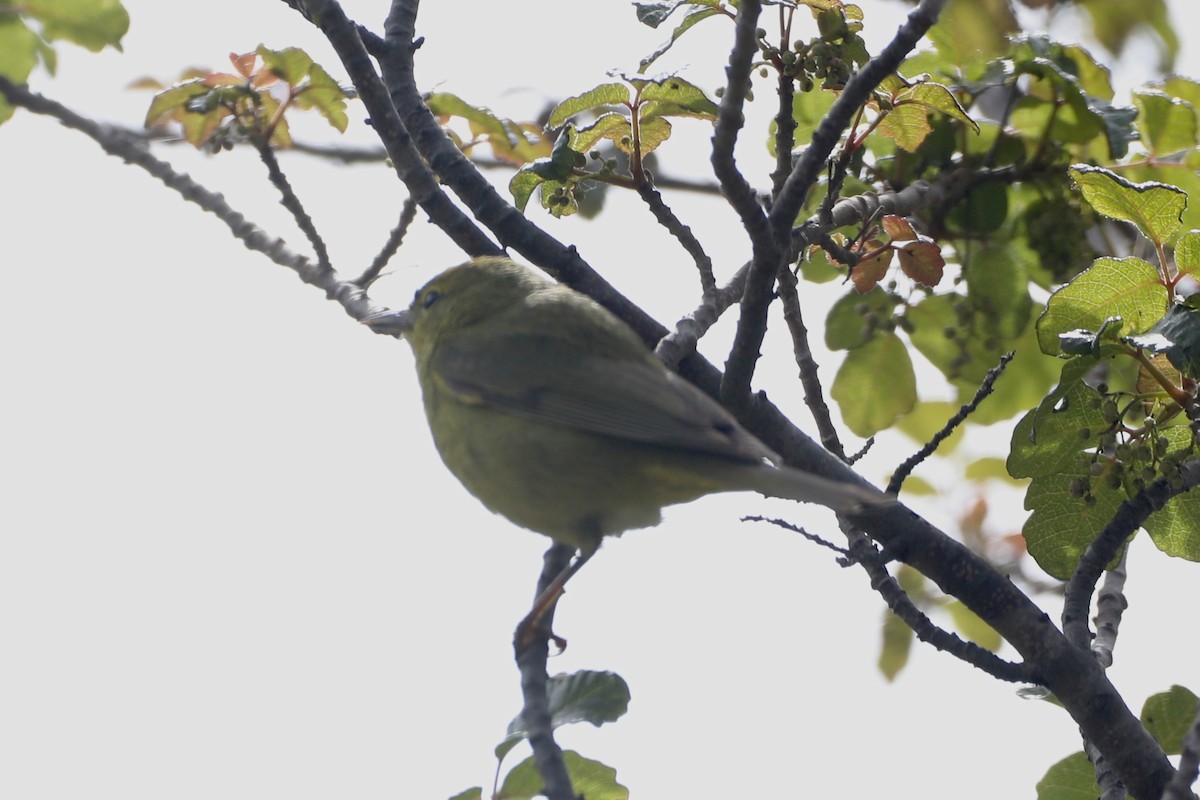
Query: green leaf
[
  {"x": 584, "y": 696},
  {"x": 1187, "y": 252},
  {"x": 969, "y": 34},
  {"x": 290, "y": 64},
  {"x": 1129, "y": 288},
  {"x": 896, "y": 644},
  {"x": 1185, "y": 89},
  {"x": 651, "y": 133},
  {"x": 1155, "y": 208},
  {"x": 1062, "y": 524},
  {"x": 817, "y": 268},
  {"x": 955, "y": 337},
  {"x": 693, "y": 16},
  {"x": 1049, "y": 439},
  {"x": 474, "y": 793},
  {"x": 94, "y": 24},
  {"x": 673, "y": 97},
  {"x": 987, "y": 468},
  {"x": 18, "y": 55},
  {"x": 1116, "y": 24},
  {"x": 808, "y": 109},
  {"x": 849, "y": 323},
  {"x": 589, "y": 779},
  {"x": 604, "y": 95},
  {"x": 522, "y": 185},
  {"x": 937, "y": 97},
  {"x": 18, "y": 48},
  {"x": 1026, "y": 380},
  {"x": 324, "y": 94},
  {"x": 1167, "y": 125},
  {"x": 1175, "y": 528},
  {"x": 613, "y": 126},
  {"x": 982, "y": 210},
  {"x": 998, "y": 285},
  {"x": 972, "y": 628},
  {"x": 875, "y": 385},
  {"x": 1168, "y": 716},
  {"x": 907, "y": 125},
  {"x": 1073, "y": 778},
  {"x": 173, "y": 105}
]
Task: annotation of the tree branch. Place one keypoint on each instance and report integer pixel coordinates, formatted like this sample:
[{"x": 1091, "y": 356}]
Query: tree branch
[
  {"x": 863, "y": 553},
  {"x": 1100, "y": 553},
  {"x": 814, "y": 395},
  {"x": 531, "y": 661},
  {"x": 408, "y": 212},
  {"x": 666, "y": 217},
  {"x": 409, "y": 165},
  {"x": 292, "y": 203},
  {"x": 985, "y": 388},
  {"x": 766, "y": 253},
  {"x": 116, "y": 143}
]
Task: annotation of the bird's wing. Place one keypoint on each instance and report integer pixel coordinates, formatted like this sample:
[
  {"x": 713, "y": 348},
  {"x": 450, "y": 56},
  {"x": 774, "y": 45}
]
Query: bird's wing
[{"x": 636, "y": 398}]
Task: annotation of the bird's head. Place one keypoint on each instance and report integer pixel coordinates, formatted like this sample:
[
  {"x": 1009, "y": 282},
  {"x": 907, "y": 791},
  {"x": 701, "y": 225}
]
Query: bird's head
[{"x": 458, "y": 298}]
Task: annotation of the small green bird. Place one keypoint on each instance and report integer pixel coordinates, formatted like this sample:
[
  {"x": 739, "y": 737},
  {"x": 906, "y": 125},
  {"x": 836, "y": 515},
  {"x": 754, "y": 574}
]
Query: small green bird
[{"x": 554, "y": 414}]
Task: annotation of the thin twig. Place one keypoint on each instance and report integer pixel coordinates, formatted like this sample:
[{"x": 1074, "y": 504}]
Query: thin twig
[
  {"x": 985, "y": 389},
  {"x": 666, "y": 217},
  {"x": 114, "y": 141},
  {"x": 814, "y": 395},
  {"x": 292, "y": 203},
  {"x": 863, "y": 553},
  {"x": 812, "y": 537},
  {"x": 408, "y": 212}
]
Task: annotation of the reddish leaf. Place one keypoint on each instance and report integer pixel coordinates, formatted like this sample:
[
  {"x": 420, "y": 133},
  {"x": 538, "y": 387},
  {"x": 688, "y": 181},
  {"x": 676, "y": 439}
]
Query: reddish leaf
[
  {"x": 244, "y": 63},
  {"x": 922, "y": 261},
  {"x": 898, "y": 228},
  {"x": 870, "y": 271}
]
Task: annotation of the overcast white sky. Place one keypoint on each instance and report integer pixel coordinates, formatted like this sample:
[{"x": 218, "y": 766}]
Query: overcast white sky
[{"x": 231, "y": 564}]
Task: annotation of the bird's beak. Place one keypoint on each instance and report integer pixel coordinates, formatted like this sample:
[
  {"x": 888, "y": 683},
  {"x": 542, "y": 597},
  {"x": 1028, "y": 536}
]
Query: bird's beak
[{"x": 395, "y": 323}]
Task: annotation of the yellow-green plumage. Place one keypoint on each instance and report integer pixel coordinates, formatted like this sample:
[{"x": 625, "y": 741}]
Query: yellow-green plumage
[{"x": 553, "y": 413}]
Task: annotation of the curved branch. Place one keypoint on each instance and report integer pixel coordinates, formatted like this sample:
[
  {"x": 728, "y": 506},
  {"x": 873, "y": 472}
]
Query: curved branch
[
  {"x": 1129, "y": 517},
  {"x": 866, "y": 556}
]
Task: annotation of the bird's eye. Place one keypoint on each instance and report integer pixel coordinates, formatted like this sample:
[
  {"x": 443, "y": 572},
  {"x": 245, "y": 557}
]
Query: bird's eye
[{"x": 430, "y": 298}]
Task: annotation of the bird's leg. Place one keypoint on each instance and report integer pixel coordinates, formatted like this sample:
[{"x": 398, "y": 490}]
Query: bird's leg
[{"x": 537, "y": 622}]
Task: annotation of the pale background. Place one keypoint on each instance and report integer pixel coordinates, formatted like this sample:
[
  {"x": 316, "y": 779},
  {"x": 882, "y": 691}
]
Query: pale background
[{"x": 231, "y": 564}]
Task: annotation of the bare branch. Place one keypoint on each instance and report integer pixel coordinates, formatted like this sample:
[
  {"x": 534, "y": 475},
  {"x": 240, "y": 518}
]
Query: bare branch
[
  {"x": 132, "y": 151},
  {"x": 863, "y": 553},
  {"x": 985, "y": 389},
  {"x": 766, "y": 253},
  {"x": 814, "y": 395},
  {"x": 531, "y": 660},
  {"x": 409, "y": 165},
  {"x": 292, "y": 203},
  {"x": 666, "y": 217},
  {"x": 408, "y": 213}
]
